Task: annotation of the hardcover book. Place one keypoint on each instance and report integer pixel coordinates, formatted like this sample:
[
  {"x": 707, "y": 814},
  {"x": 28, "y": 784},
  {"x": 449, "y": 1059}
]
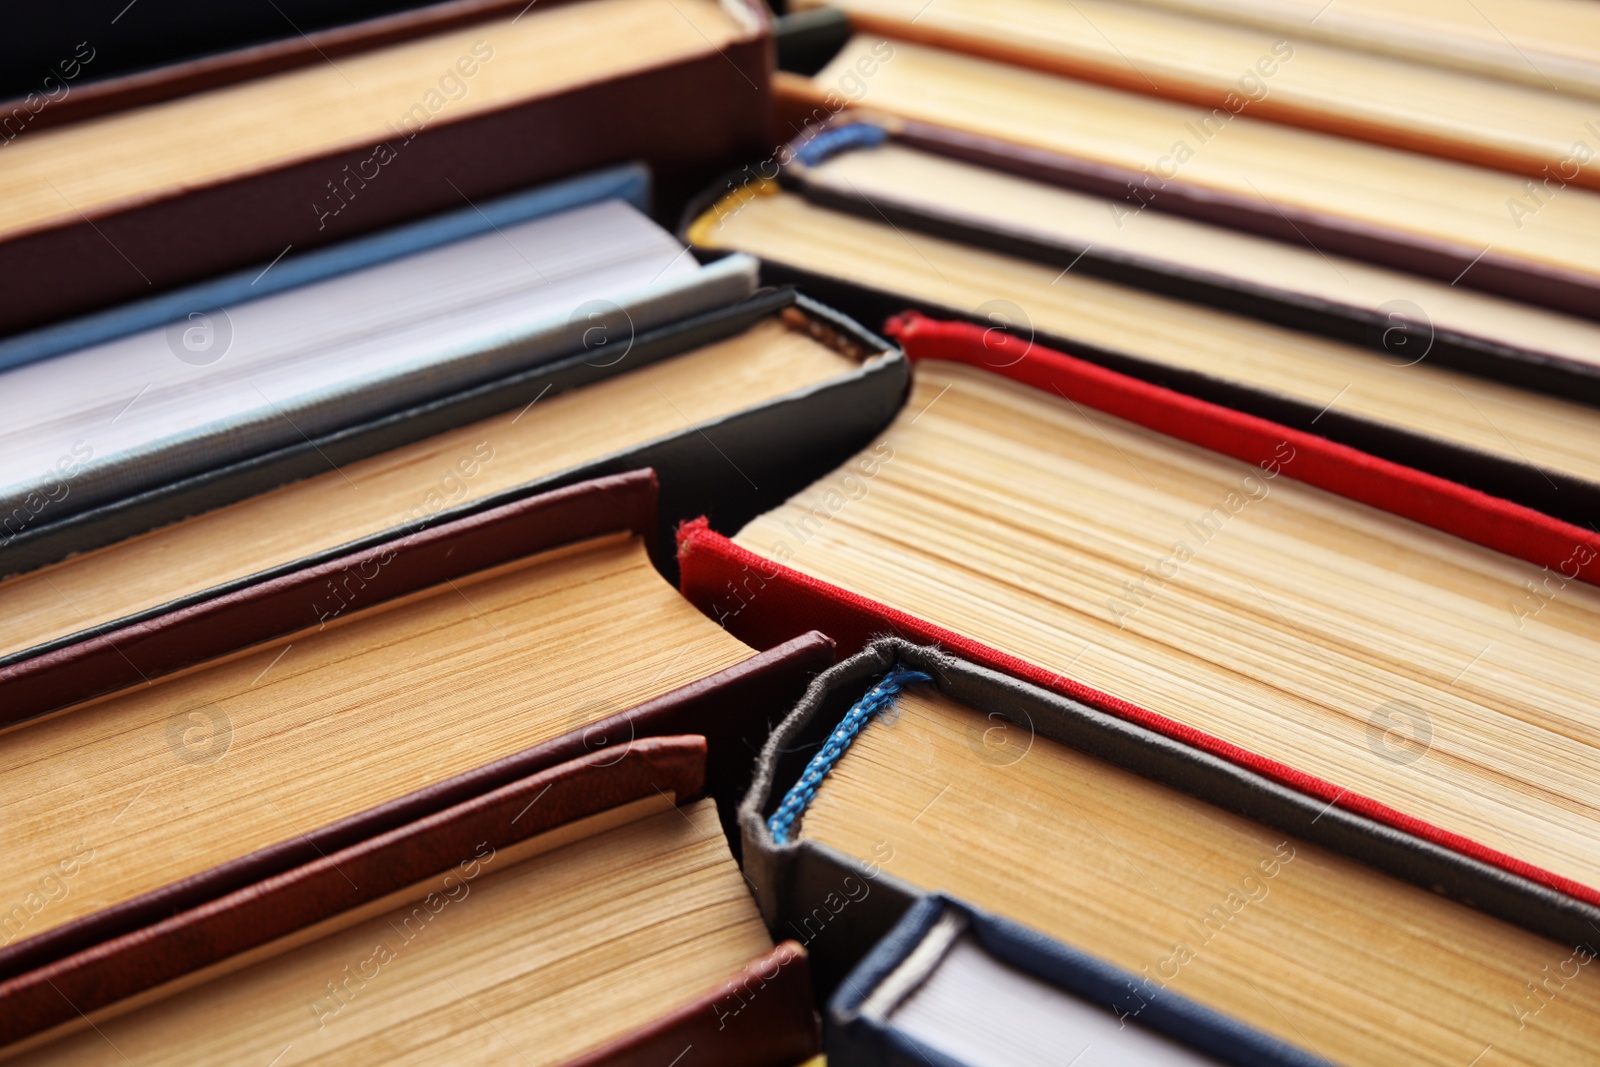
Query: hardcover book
[
  {"x": 1406, "y": 319},
  {"x": 954, "y": 986},
  {"x": 164, "y": 32},
  {"x": 1542, "y": 43},
  {"x": 307, "y": 699},
  {"x": 629, "y": 182},
  {"x": 1278, "y": 74},
  {"x": 447, "y": 617},
  {"x": 228, "y": 384},
  {"x": 729, "y": 707},
  {"x": 905, "y": 769}
]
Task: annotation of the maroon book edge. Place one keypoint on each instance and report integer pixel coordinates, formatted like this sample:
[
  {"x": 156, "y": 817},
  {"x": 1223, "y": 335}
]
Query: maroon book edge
[
  {"x": 458, "y": 842},
  {"x": 762, "y": 1016},
  {"x": 309, "y": 597}
]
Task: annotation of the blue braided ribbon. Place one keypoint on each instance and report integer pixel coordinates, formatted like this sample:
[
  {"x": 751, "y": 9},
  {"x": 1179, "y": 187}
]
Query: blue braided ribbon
[
  {"x": 847, "y": 137},
  {"x": 878, "y": 699}
]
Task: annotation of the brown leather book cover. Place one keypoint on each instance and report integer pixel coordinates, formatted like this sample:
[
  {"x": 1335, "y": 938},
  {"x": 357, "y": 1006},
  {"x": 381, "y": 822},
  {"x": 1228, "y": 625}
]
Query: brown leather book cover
[
  {"x": 684, "y": 118},
  {"x": 365, "y": 872}
]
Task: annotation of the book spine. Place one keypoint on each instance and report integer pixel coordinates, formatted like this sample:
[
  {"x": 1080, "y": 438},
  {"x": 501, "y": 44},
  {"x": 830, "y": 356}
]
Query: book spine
[{"x": 866, "y": 398}]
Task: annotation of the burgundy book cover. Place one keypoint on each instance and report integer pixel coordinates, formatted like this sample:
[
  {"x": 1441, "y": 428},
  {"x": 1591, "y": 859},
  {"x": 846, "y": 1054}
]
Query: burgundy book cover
[
  {"x": 763, "y": 602},
  {"x": 732, "y": 708},
  {"x": 684, "y": 118},
  {"x": 796, "y": 100},
  {"x": 759, "y": 1017}
]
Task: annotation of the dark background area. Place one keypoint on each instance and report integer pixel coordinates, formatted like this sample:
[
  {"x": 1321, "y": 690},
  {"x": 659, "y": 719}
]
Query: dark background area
[
  {"x": 148, "y": 33},
  {"x": 130, "y": 37}
]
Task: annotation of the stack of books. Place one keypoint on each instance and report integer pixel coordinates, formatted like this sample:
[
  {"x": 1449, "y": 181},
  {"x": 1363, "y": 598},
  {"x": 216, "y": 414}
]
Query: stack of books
[{"x": 650, "y": 532}]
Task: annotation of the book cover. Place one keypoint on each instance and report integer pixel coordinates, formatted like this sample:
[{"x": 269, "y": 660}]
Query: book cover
[{"x": 781, "y": 446}]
